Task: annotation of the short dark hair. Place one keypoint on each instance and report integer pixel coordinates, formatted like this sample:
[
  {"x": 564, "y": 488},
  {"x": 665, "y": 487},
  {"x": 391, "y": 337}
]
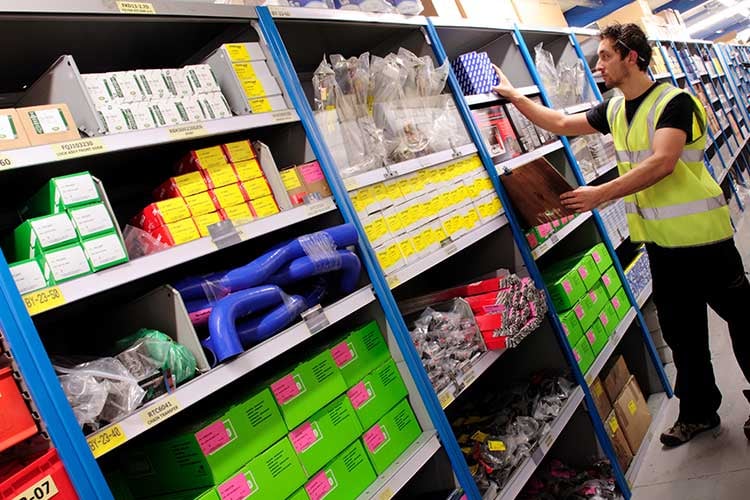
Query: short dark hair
[{"x": 627, "y": 37}]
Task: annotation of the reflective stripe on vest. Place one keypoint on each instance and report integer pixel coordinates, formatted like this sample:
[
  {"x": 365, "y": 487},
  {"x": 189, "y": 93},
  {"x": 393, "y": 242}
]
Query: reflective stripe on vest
[
  {"x": 688, "y": 155},
  {"x": 689, "y": 208}
]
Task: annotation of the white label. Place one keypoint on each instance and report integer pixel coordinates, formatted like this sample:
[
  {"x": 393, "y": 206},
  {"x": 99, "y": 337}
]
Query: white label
[
  {"x": 28, "y": 276},
  {"x": 7, "y": 128},
  {"x": 48, "y": 121},
  {"x": 76, "y": 189},
  {"x": 169, "y": 112},
  {"x": 67, "y": 263},
  {"x": 104, "y": 250},
  {"x": 93, "y": 219},
  {"x": 43, "y": 489},
  {"x": 53, "y": 230}
]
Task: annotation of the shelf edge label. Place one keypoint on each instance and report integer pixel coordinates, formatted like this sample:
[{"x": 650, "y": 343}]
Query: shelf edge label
[
  {"x": 278, "y": 11},
  {"x": 43, "y": 300},
  {"x": 78, "y": 148},
  {"x": 136, "y": 8},
  {"x": 106, "y": 440},
  {"x": 187, "y": 131},
  {"x": 41, "y": 490},
  {"x": 5, "y": 162},
  {"x": 160, "y": 411}
]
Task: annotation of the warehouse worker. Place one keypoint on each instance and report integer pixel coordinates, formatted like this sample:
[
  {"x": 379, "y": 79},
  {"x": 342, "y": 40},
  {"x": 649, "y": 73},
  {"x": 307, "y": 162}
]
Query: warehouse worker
[{"x": 673, "y": 205}]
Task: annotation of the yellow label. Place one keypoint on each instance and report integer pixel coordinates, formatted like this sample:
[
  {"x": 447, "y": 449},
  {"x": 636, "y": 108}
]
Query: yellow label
[
  {"x": 614, "y": 425},
  {"x": 257, "y": 188},
  {"x": 386, "y": 494},
  {"x": 244, "y": 71},
  {"x": 253, "y": 87},
  {"x": 365, "y": 198},
  {"x": 351, "y": 183},
  {"x": 159, "y": 412},
  {"x": 632, "y": 407},
  {"x": 239, "y": 151},
  {"x": 439, "y": 233},
  {"x": 239, "y": 212},
  {"x": 221, "y": 175},
  {"x": 76, "y": 149},
  {"x": 183, "y": 231},
  {"x": 394, "y": 192},
  {"x": 247, "y": 170},
  {"x": 265, "y": 206},
  {"x": 205, "y": 220},
  {"x": 43, "y": 489},
  {"x": 173, "y": 209},
  {"x": 394, "y": 222},
  {"x": 376, "y": 229},
  {"x": 471, "y": 219},
  {"x": 187, "y": 131},
  {"x": 423, "y": 239},
  {"x": 479, "y": 437},
  {"x": 597, "y": 388},
  {"x": 5, "y": 162},
  {"x": 394, "y": 254},
  {"x": 106, "y": 440},
  {"x": 237, "y": 52},
  {"x": 43, "y": 300},
  {"x": 407, "y": 249},
  {"x": 496, "y": 445},
  {"x": 190, "y": 184},
  {"x": 380, "y": 192},
  {"x": 406, "y": 186},
  {"x": 446, "y": 399},
  {"x": 393, "y": 281},
  {"x": 136, "y": 8},
  {"x": 260, "y": 105},
  {"x": 290, "y": 179},
  {"x": 200, "y": 204},
  {"x": 229, "y": 196},
  {"x": 210, "y": 157},
  {"x": 382, "y": 256}
]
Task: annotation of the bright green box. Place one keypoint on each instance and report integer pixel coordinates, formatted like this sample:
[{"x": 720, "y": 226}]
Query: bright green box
[
  {"x": 377, "y": 393},
  {"x": 105, "y": 250},
  {"x": 205, "y": 453},
  {"x": 31, "y": 274},
  {"x": 210, "y": 495},
  {"x": 300, "y": 494},
  {"x": 91, "y": 220},
  {"x": 67, "y": 262},
  {"x": 325, "y": 434},
  {"x": 387, "y": 440},
  {"x": 34, "y": 236},
  {"x": 345, "y": 478},
  {"x": 601, "y": 257},
  {"x": 609, "y": 319},
  {"x": 597, "y": 337},
  {"x": 621, "y": 303},
  {"x": 62, "y": 193},
  {"x": 593, "y": 303},
  {"x": 565, "y": 288},
  {"x": 571, "y": 326},
  {"x": 584, "y": 266},
  {"x": 308, "y": 388},
  {"x": 360, "y": 352},
  {"x": 583, "y": 354},
  {"x": 611, "y": 281},
  {"x": 274, "y": 474}
]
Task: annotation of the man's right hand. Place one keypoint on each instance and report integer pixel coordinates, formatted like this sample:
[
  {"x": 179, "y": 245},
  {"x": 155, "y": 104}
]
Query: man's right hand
[{"x": 504, "y": 88}]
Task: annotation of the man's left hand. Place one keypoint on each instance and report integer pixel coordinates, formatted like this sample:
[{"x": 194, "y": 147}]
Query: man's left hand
[{"x": 583, "y": 199}]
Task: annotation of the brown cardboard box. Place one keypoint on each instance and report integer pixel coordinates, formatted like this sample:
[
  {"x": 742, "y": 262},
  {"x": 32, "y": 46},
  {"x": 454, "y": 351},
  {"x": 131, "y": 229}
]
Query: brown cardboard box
[
  {"x": 630, "y": 13},
  {"x": 539, "y": 13},
  {"x": 616, "y": 378},
  {"x": 619, "y": 442},
  {"x": 313, "y": 179},
  {"x": 12, "y": 133},
  {"x": 601, "y": 400},
  {"x": 294, "y": 185},
  {"x": 48, "y": 124},
  {"x": 443, "y": 8},
  {"x": 632, "y": 414}
]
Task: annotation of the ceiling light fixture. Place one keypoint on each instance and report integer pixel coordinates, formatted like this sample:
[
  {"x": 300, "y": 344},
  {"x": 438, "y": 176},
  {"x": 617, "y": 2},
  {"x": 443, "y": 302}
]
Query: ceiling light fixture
[{"x": 706, "y": 23}]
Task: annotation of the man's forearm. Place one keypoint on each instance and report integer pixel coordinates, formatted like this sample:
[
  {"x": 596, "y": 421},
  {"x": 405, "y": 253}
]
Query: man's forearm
[
  {"x": 544, "y": 117},
  {"x": 646, "y": 174}
]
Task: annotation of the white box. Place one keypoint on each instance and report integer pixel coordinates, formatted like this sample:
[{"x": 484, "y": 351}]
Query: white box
[
  {"x": 67, "y": 262},
  {"x": 267, "y": 104},
  {"x": 201, "y": 79},
  {"x": 177, "y": 82},
  {"x": 242, "y": 52},
  {"x": 152, "y": 84},
  {"x": 114, "y": 119},
  {"x": 256, "y": 79},
  {"x": 28, "y": 276},
  {"x": 124, "y": 87},
  {"x": 142, "y": 116},
  {"x": 214, "y": 106},
  {"x": 98, "y": 88},
  {"x": 91, "y": 219}
]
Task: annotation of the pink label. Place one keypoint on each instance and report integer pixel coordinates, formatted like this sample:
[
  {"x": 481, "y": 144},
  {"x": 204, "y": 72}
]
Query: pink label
[
  {"x": 594, "y": 297},
  {"x": 596, "y": 257},
  {"x": 311, "y": 172},
  {"x": 374, "y": 438},
  {"x": 606, "y": 280},
  {"x": 531, "y": 238},
  {"x": 544, "y": 229},
  {"x": 494, "y": 309},
  {"x": 583, "y": 272},
  {"x": 303, "y": 437},
  {"x": 358, "y": 395},
  {"x": 213, "y": 437},
  {"x": 565, "y": 329},
  {"x": 341, "y": 354},
  {"x": 236, "y": 488},
  {"x": 579, "y": 311},
  {"x": 616, "y": 303},
  {"x": 604, "y": 319},
  {"x": 578, "y": 356},
  {"x": 532, "y": 307},
  {"x": 200, "y": 317},
  {"x": 567, "y": 286},
  {"x": 285, "y": 389},
  {"x": 318, "y": 486},
  {"x": 591, "y": 337}
]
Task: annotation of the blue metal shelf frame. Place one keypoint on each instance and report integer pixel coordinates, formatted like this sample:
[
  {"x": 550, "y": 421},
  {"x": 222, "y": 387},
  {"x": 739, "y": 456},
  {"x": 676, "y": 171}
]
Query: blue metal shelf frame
[
  {"x": 722, "y": 57},
  {"x": 382, "y": 290}
]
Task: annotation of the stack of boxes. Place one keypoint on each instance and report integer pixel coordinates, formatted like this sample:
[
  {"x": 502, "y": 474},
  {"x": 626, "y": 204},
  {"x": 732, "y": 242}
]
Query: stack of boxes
[
  {"x": 615, "y": 220},
  {"x": 305, "y": 183},
  {"x": 36, "y": 125},
  {"x": 212, "y": 184},
  {"x": 657, "y": 64},
  {"x": 328, "y": 428},
  {"x": 68, "y": 232},
  {"x": 590, "y": 301},
  {"x": 638, "y": 273},
  {"x": 475, "y": 73},
  {"x": 541, "y": 233},
  {"x": 409, "y": 217}
]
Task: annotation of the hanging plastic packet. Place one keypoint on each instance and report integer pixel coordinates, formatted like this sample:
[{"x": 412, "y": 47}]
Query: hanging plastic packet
[
  {"x": 551, "y": 80},
  {"x": 324, "y": 87}
]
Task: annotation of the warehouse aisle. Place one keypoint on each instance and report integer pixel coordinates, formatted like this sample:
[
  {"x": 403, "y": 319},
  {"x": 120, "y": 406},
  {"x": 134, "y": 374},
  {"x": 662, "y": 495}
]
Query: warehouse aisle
[{"x": 708, "y": 467}]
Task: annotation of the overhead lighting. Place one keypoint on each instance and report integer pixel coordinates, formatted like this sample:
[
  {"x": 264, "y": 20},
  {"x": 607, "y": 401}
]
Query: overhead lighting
[
  {"x": 719, "y": 32},
  {"x": 705, "y": 24}
]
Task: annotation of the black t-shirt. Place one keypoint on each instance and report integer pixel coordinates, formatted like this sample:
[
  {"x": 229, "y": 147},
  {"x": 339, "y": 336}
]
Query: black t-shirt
[{"x": 678, "y": 113}]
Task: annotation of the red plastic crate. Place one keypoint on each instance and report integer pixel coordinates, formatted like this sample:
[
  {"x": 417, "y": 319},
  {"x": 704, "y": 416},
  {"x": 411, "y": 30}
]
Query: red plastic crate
[
  {"x": 16, "y": 423},
  {"x": 39, "y": 479}
]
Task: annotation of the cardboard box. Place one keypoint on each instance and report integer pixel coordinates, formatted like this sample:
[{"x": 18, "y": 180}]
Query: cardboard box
[
  {"x": 638, "y": 12},
  {"x": 571, "y": 326},
  {"x": 181, "y": 185},
  {"x": 611, "y": 281},
  {"x": 632, "y": 413},
  {"x": 601, "y": 257},
  {"x": 38, "y": 234},
  {"x": 256, "y": 79},
  {"x": 360, "y": 352},
  {"x": 616, "y": 378},
  {"x": 344, "y": 478},
  {"x": 228, "y": 196},
  {"x": 324, "y": 435},
  {"x": 256, "y": 188},
  {"x": 387, "y": 440},
  {"x": 583, "y": 354},
  {"x": 247, "y": 170},
  {"x": 498, "y": 11},
  {"x": 201, "y": 204},
  {"x": 60, "y": 194},
  {"x": 220, "y": 176},
  {"x": 565, "y": 288},
  {"x": 177, "y": 233},
  {"x": 162, "y": 212},
  {"x": 12, "y": 133},
  {"x": 238, "y": 52},
  {"x": 264, "y": 206},
  {"x": 203, "y": 221},
  {"x": 67, "y": 262},
  {"x": 377, "y": 393},
  {"x": 294, "y": 186},
  {"x": 238, "y": 151},
  {"x": 603, "y": 405},
  {"x": 597, "y": 337},
  {"x": 238, "y": 213},
  {"x": 593, "y": 302},
  {"x": 307, "y": 388},
  {"x": 609, "y": 319},
  {"x": 105, "y": 250},
  {"x": 201, "y": 159},
  {"x": 540, "y": 13},
  {"x": 273, "y": 475},
  {"x": 442, "y": 8},
  {"x": 619, "y": 442},
  {"x": 315, "y": 181},
  {"x": 91, "y": 220},
  {"x": 29, "y": 275},
  {"x": 267, "y": 104},
  {"x": 48, "y": 124},
  {"x": 621, "y": 303}
]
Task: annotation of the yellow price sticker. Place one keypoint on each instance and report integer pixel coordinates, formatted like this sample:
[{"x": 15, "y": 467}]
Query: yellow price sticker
[
  {"x": 446, "y": 398},
  {"x": 188, "y": 131},
  {"x": 479, "y": 436},
  {"x": 632, "y": 407},
  {"x": 613, "y": 424},
  {"x": 106, "y": 440},
  {"x": 393, "y": 282},
  {"x": 386, "y": 494},
  {"x": 136, "y": 8},
  {"x": 43, "y": 300},
  {"x": 496, "y": 445},
  {"x": 76, "y": 149},
  {"x": 41, "y": 490},
  {"x": 160, "y": 411},
  {"x": 260, "y": 105}
]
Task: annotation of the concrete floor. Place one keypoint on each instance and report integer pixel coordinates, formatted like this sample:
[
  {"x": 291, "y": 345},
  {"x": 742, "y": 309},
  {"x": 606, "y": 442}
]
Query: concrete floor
[{"x": 709, "y": 467}]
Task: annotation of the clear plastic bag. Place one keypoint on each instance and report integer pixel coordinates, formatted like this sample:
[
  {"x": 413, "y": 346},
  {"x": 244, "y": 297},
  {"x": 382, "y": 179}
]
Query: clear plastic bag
[
  {"x": 140, "y": 243},
  {"x": 407, "y": 7},
  {"x": 148, "y": 351},
  {"x": 324, "y": 87},
  {"x": 545, "y": 65}
]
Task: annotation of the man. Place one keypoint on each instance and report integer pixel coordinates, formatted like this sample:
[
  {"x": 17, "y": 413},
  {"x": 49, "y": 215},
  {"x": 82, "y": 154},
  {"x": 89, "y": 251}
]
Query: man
[{"x": 673, "y": 205}]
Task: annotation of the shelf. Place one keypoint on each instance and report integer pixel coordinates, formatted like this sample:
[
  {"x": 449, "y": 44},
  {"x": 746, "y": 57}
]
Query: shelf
[
  {"x": 139, "y": 268},
  {"x": 103, "y": 7},
  {"x": 612, "y": 343},
  {"x": 398, "y": 474},
  {"x": 721, "y": 177},
  {"x": 738, "y": 152},
  {"x": 660, "y": 76},
  {"x": 450, "y": 393},
  {"x": 577, "y": 108},
  {"x": 406, "y": 167},
  {"x": 491, "y": 97},
  {"x": 559, "y": 235},
  {"x": 601, "y": 171},
  {"x": 645, "y": 294},
  {"x": 507, "y": 165},
  {"x": 404, "y": 274},
  {"x": 679, "y": 75},
  {"x": 313, "y": 14},
  {"x": 205, "y": 385},
  {"x": 90, "y": 146},
  {"x": 618, "y": 240},
  {"x": 521, "y": 475},
  {"x": 657, "y": 403}
]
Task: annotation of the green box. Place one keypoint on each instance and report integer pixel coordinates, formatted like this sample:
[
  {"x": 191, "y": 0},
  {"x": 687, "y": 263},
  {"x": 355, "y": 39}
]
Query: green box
[
  {"x": 377, "y": 393},
  {"x": 325, "y": 434},
  {"x": 360, "y": 352},
  {"x": 345, "y": 478},
  {"x": 105, "y": 250},
  {"x": 308, "y": 388},
  {"x": 31, "y": 274},
  {"x": 565, "y": 288},
  {"x": 91, "y": 220},
  {"x": 62, "y": 193},
  {"x": 597, "y": 337},
  {"x": 205, "y": 453},
  {"x": 34, "y": 236},
  {"x": 609, "y": 319},
  {"x": 391, "y": 436},
  {"x": 571, "y": 326},
  {"x": 621, "y": 303},
  {"x": 593, "y": 303},
  {"x": 300, "y": 494},
  {"x": 67, "y": 262},
  {"x": 274, "y": 474},
  {"x": 601, "y": 257},
  {"x": 210, "y": 495},
  {"x": 583, "y": 265},
  {"x": 611, "y": 281},
  {"x": 583, "y": 354}
]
